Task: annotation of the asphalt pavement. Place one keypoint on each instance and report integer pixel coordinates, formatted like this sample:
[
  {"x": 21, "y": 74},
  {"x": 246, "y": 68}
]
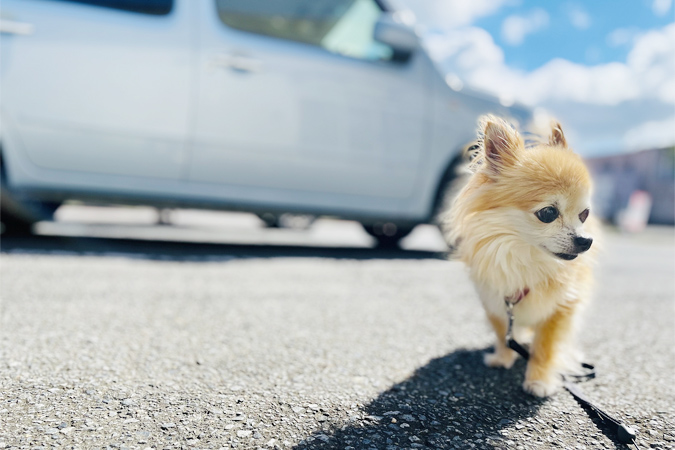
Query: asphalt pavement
[{"x": 215, "y": 333}]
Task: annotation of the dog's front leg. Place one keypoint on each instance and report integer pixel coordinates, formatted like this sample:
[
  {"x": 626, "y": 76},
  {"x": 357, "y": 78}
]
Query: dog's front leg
[
  {"x": 542, "y": 378},
  {"x": 502, "y": 356}
]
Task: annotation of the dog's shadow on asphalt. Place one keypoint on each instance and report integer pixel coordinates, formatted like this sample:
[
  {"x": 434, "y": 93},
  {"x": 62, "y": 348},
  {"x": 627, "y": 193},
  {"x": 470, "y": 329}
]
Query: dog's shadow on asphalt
[{"x": 452, "y": 402}]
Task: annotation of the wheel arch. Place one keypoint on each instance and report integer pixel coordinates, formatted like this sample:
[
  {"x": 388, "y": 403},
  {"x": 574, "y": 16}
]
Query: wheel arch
[{"x": 449, "y": 174}]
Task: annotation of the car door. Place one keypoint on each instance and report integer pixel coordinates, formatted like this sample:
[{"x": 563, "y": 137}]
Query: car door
[
  {"x": 94, "y": 90},
  {"x": 299, "y": 106}
]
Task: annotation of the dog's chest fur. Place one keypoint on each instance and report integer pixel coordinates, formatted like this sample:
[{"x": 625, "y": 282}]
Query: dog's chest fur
[{"x": 502, "y": 265}]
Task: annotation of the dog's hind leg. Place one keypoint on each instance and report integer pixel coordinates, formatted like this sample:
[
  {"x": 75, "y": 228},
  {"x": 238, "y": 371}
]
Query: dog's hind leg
[{"x": 502, "y": 356}]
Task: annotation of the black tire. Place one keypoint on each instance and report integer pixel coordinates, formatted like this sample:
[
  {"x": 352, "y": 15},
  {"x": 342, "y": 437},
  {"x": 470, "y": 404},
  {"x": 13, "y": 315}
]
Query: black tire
[
  {"x": 287, "y": 220},
  {"x": 15, "y": 226},
  {"x": 269, "y": 220},
  {"x": 387, "y": 234},
  {"x": 452, "y": 181},
  {"x": 18, "y": 219},
  {"x": 19, "y": 216}
]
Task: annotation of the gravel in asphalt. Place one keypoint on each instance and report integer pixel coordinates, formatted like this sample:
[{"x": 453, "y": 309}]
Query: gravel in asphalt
[{"x": 281, "y": 347}]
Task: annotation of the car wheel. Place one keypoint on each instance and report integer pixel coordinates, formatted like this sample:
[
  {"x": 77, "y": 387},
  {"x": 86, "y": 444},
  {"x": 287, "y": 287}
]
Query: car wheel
[
  {"x": 19, "y": 216},
  {"x": 19, "y": 221},
  {"x": 451, "y": 183},
  {"x": 287, "y": 220},
  {"x": 14, "y": 226},
  {"x": 387, "y": 234},
  {"x": 269, "y": 220}
]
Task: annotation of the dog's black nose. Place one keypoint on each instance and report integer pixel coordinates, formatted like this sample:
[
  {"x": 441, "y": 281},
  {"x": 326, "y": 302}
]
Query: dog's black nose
[{"x": 582, "y": 244}]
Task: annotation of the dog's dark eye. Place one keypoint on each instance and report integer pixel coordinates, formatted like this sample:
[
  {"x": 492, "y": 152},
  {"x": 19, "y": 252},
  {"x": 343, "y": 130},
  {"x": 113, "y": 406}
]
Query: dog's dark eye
[
  {"x": 584, "y": 215},
  {"x": 548, "y": 214}
]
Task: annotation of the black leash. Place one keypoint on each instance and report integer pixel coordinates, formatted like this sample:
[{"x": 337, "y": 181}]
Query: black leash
[{"x": 624, "y": 433}]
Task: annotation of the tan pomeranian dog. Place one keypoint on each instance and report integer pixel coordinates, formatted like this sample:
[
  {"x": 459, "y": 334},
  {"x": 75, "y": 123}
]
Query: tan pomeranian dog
[{"x": 521, "y": 224}]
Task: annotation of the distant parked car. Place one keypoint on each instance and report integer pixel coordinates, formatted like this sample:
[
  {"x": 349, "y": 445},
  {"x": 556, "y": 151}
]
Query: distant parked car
[{"x": 325, "y": 107}]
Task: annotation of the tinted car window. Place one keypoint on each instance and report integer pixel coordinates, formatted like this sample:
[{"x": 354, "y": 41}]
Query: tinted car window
[
  {"x": 154, "y": 7},
  {"x": 340, "y": 26}
]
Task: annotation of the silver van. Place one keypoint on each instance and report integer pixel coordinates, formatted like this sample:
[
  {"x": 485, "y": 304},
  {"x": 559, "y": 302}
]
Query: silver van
[{"x": 322, "y": 107}]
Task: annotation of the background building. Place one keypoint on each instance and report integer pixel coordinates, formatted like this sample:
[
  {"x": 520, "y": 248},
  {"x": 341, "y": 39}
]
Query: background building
[{"x": 619, "y": 176}]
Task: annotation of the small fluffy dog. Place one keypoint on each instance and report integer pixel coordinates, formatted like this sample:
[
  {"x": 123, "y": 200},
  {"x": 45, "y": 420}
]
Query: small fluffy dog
[{"x": 521, "y": 224}]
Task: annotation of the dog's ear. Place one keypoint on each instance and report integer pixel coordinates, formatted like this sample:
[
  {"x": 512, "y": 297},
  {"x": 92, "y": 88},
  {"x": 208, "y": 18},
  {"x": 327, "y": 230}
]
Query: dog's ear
[
  {"x": 557, "y": 138},
  {"x": 501, "y": 143}
]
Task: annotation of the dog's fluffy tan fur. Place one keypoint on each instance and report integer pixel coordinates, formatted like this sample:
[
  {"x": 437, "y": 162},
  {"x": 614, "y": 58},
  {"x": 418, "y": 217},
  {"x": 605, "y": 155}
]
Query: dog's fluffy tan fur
[{"x": 494, "y": 227}]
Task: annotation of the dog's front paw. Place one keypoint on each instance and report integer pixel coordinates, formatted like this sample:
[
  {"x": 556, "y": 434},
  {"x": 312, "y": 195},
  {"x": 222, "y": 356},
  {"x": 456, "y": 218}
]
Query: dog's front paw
[
  {"x": 541, "y": 388},
  {"x": 503, "y": 359}
]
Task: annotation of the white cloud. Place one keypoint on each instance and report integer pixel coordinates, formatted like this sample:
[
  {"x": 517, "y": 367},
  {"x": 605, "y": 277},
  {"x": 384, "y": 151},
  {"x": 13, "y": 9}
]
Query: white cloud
[
  {"x": 579, "y": 18},
  {"x": 469, "y": 48},
  {"x": 652, "y": 59},
  {"x": 656, "y": 133},
  {"x": 447, "y": 13},
  {"x": 646, "y": 78},
  {"x": 648, "y": 72},
  {"x": 515, "y": 28},
  {"x": 661, "y": 7},
  {"x": 621, "y": 36},
  {"x": 560, "y": 79}
]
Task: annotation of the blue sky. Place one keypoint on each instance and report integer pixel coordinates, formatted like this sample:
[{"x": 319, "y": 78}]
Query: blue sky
[
  {"x": 581, "y": 32},
  {"x": 605, "y": 69}
]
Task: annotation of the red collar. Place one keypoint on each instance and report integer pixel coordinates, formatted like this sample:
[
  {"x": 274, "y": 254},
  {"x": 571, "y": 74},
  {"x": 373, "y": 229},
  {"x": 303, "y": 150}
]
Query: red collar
[{"x": 518, "y": 296}]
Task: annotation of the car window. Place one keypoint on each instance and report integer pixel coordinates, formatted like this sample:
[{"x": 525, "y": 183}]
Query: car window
[
  {"x": 154, "y": 7},
  {"x": 340, "y": 26}
]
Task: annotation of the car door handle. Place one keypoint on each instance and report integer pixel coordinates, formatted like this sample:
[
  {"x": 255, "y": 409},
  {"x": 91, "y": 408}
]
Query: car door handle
[
  {"x": 238, "y": 63},
  {"x": 14, "y": 27}
]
